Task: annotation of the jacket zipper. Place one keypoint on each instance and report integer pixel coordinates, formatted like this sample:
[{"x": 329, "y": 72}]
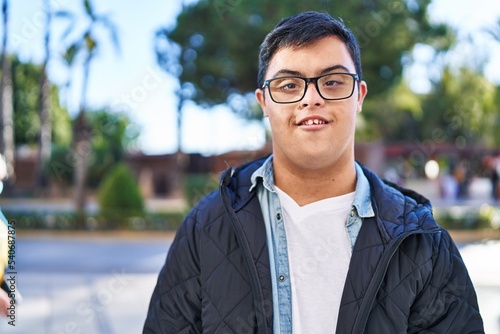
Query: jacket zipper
[
  {"x": 366, "y": 306},
  {"x": 254, "y": 281}
]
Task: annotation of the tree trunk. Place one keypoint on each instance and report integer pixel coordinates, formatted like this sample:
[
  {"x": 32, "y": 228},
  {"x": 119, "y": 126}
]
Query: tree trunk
[
  {"x": 82, "y": 149},
  {"x": 182, "y": 160},
  {"x": 6, "y": 104},
  {"x": 45, "y": 139}
]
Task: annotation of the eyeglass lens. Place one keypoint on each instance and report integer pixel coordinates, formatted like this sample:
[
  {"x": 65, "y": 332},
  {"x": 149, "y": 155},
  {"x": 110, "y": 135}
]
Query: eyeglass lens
[{"x": 331, "y": 87}]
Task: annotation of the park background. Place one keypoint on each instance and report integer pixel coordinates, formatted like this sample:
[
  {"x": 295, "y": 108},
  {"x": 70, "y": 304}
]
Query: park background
[{"x": 116, "y": 117}]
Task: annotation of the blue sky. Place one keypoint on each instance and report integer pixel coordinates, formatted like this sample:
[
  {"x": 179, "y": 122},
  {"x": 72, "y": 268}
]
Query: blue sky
[{"x": 131, "y": 80}]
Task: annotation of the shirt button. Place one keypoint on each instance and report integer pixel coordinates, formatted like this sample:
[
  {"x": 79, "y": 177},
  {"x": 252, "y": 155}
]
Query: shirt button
[
  {"x": 278, "y": 216},
  {"x": 352, "y": 213},
  {"x": 281, "y": 278}
]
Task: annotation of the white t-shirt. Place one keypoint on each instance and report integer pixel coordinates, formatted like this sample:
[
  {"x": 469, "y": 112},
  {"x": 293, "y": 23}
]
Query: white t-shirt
[{"x": 319, "y": 251}]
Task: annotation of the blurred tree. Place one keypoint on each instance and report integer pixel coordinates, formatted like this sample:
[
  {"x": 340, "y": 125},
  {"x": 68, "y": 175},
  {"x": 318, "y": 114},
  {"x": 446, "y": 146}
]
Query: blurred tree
[
  {"x": 112, "y": 135},
  {"x": 26, "y": 101},
  {"x": 391, "y": 115},
  {"x": 86, "y": 44},
  {"x": 459, "y": 107},
  {"x": 7, "y": 148},
  {"x": 495, "y": 123},
  {"x": 215, "y": 64},
  {"x": 461, "y": 110},
  {"x": 494, "y": 32}
]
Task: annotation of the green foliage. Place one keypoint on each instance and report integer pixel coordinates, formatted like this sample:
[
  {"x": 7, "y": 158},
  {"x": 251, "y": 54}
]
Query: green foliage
[
  {"x": 26, "y": 99},
  {"x": 495, "y": 121},
  {"x": 112, "y": 135},
  {"x": 461, "y": 110},
  {"x": 88, "y": 40},
  {"x": 119, "y": 195},
  {"x": 455, "y": 219},
  {"x": 476, "y": 105},
  {"x": 61, "y": 165},
  {"x": 393, "y": 115},
  {"x": 158, "y": 221},
  {"x": 220, "y": 62}
]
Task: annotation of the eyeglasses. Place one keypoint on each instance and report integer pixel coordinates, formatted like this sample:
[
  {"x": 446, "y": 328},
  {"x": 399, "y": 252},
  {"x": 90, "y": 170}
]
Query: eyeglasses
[{"x": 332, "y": 86}]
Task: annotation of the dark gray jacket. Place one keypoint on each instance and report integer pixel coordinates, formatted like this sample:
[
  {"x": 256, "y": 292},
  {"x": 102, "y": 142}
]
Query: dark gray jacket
[{"x": 405, "y": 274}]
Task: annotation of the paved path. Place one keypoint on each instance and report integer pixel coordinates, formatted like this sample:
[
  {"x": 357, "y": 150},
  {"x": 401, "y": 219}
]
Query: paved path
[
  {"x": 482, "y": 260},
  {"x": 102, "y": 284},
  {"x": 98, "y": 285}
]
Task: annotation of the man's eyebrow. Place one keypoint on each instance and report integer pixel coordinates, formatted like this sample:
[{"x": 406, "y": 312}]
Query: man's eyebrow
[
  {"x": 334, "y": 68},
  {"x": 287, "y": 72}
]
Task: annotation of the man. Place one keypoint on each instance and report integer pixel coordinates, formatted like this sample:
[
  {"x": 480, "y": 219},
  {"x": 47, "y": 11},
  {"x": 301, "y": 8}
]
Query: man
[{"x": 307, "y": 240}]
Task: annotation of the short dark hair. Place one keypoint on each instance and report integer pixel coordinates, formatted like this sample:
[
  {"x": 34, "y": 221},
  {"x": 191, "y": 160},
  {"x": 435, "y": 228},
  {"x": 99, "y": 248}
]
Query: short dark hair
[{"x": 304, "y": 29}]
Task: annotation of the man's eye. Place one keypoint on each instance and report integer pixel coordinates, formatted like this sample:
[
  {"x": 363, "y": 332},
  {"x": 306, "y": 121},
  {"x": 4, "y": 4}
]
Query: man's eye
[
  {"x": 289, "y": 86},
  {"x": 333, "y": 83}
]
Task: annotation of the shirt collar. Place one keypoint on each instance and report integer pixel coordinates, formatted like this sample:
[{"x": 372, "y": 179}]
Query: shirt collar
[
  {"x": 362, "y": 200},
  {"x": 266, "y": 173}
]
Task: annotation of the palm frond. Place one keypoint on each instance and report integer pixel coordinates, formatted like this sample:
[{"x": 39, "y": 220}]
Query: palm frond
[
  {"x": 112, "y": 28},
  {"x": 494, "y": 31},
  {"x": 68, "y": 16}
]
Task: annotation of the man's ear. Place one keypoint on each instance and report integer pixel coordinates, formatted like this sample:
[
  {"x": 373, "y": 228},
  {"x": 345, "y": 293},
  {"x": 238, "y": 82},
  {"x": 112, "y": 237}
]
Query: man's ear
[
  {"x": 363, "y": 90},
  {"x": 260, "y": 95}
]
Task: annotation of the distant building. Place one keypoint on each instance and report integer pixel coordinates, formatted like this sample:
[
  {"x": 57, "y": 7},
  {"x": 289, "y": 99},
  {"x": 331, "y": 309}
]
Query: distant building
[{"x": 160, "y": 176}]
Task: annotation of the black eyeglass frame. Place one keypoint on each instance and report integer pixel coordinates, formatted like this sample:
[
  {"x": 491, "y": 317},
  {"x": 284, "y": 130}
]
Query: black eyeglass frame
[{"x": 355, "y": 76}]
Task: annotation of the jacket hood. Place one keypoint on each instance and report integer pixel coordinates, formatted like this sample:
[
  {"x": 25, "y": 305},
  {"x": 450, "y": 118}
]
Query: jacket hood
[
  {"x": 238, "y": 181},
  {"x": 398, "y": 210},
  {"x": 384, "y": 184}
]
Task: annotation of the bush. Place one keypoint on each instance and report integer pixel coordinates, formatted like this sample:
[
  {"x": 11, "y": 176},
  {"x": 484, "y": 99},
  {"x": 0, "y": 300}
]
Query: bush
[
  {"x": 119, "y": 196},
  {"x": 457, "y": 218}
]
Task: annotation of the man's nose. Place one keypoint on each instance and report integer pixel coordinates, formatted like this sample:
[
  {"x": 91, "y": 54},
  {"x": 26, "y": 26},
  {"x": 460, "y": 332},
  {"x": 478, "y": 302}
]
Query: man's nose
[{"x": 312, "y": 96}]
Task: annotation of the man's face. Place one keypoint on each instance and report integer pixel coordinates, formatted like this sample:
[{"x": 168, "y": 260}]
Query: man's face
[{"x": 296, "y": 142}]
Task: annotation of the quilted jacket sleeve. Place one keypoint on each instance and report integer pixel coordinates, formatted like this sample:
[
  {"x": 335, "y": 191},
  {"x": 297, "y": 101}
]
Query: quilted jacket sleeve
[
  {"x": 448, "y": 303},
  {"x": 175, "y": 305}
]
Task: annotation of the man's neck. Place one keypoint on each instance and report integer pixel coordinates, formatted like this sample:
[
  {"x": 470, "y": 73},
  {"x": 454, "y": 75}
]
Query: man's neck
[{"x": 306, "y": 186}]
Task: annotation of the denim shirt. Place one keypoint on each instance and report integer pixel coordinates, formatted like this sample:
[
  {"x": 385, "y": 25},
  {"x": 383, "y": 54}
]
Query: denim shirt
[{"x": 276, "y": 237}]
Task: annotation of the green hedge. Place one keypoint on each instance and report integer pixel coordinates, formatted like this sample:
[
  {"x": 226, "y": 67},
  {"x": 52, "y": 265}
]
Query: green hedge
[
  {"x": 69, "y": 221},
  {"x": 463, "y": 218},
  {"x": 119, "y": 196},
  {"x": 486, "y": 217}
]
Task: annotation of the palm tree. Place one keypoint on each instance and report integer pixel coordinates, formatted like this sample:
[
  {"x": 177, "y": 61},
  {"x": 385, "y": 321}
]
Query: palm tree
[
  {"x": 45, "y": 139},
  {"x": 6, "y": 104},
  {"x": 86, "y": 45}
]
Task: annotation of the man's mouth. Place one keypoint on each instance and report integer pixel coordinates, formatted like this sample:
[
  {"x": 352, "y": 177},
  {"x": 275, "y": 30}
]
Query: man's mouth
[{"x": 313, "y": 122}]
